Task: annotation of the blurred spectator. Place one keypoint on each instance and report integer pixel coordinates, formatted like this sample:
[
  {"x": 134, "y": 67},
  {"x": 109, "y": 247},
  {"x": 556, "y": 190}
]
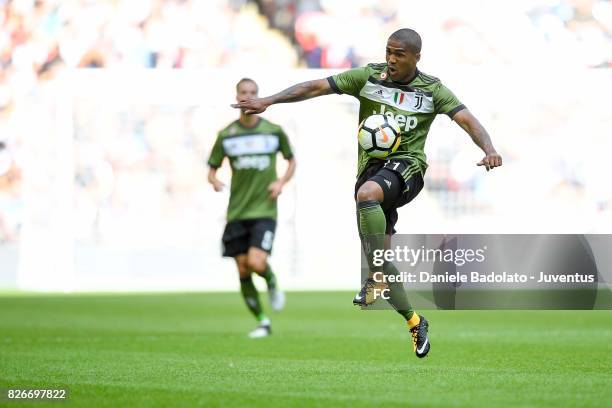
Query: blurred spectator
[
  {"x": 480, "y": 32},
  {"x": 10, "y": 204}
]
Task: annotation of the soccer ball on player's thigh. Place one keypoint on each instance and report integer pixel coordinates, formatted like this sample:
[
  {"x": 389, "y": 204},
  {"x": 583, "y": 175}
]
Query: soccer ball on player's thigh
[{"x": 379, "y": 135}]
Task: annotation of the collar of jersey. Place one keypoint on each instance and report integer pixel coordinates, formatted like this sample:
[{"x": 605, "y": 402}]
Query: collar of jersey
[
  {"x": 249, "y": 127},
  {"x": 406, "y": 83}
]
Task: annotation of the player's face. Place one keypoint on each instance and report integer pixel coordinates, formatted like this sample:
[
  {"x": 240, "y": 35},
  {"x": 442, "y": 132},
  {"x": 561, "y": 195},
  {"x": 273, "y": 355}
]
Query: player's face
[
  {"x": 246, "y": 90},
  {"x": 401, "y": 62}
]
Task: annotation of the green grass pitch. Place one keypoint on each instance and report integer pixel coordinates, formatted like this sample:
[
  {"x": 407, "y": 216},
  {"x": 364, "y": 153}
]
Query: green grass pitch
[{"x": 192, "y": 350}]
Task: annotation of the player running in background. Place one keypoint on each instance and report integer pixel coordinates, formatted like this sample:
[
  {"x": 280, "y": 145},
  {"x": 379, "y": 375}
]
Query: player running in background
[
  {"x": 251, "y": 144},
  {"x": 395, "y": 88}
]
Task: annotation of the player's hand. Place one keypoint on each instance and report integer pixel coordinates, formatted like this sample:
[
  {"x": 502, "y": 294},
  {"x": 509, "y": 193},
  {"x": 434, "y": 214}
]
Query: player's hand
[
  {"x": 275, "y": 189},
  {"x": 251, "y": 106},
  {"x": 218, "y": 185},
  {"x": 490, "y": 161}
]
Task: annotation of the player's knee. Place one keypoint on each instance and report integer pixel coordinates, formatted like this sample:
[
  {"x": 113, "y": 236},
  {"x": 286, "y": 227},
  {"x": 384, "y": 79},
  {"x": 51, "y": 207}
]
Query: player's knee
[
  {"x": 243, "y": 271},
  {"x": 257, "y": 264},
  {"x": 241, "y": 264},
  {"x": 369, "y": 192}
]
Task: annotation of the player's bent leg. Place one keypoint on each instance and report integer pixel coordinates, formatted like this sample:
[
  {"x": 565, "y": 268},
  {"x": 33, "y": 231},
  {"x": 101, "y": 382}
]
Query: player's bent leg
[
  {"x": 398, "y": 297},
  {"x": 251, "y": 298},
  {"x": 418, "y": 325},
  {"x": 258, "y": 263},
  {"x": 372, "y": 224},
  {"x": 392, "y": 187},
  {"x": 241, "y": 264}
]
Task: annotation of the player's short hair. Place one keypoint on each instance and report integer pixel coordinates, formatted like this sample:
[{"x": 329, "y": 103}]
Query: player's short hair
[
  {"x": 243, "y": 80},
  {"x": 409, "y": 38}
]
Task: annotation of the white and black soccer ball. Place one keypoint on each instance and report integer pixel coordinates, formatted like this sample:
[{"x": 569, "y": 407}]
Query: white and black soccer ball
[{"x": 379, "y": 135}]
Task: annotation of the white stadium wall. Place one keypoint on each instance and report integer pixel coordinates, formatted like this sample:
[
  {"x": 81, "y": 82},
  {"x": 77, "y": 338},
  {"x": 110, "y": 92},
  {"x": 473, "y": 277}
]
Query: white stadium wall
[{"x": 114, "y": 194}]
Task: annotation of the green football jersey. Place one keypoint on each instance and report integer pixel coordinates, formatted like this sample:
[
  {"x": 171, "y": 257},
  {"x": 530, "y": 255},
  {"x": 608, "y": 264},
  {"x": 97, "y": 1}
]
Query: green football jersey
[
  {"x": 252, "y": 155},
  {"x": 413, "y": 106}
]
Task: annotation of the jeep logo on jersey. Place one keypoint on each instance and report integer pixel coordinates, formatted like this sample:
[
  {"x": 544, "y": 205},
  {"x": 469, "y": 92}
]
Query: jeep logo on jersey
[
  {"x": 415, "y": 101},
  {"x": 406, "y": 122},
  {"x": 250, "y": 144},
  {"x": 251, "y": 162}
]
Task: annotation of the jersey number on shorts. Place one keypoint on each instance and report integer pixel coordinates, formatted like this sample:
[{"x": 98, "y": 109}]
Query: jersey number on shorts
[
  {"x": 396, "y": 166},
  {"x": 266, "y": 242}
]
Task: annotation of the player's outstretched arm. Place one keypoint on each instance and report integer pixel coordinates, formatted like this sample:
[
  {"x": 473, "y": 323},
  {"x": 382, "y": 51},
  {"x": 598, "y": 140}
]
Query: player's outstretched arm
[
  {"x": 479, "y": 135},
  {"x": 295, "y": 93}
]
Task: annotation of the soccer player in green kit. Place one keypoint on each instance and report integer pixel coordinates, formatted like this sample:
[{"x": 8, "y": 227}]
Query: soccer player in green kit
[
  {"x": 251, "y": 144},
  {"x": 395, "y": 88}
]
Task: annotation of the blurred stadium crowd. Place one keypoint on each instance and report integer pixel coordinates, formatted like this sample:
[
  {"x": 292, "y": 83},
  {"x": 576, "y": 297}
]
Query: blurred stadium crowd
[
  {"x": 313, "y": 33},
  {"x": 39, "y": 38},
  {"x": 35, "y": 34}
]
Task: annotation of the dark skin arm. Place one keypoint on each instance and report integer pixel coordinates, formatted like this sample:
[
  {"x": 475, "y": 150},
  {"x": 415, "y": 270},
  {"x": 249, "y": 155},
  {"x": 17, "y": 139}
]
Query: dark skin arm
[
  {"x": 320, "y": 87},
  {"x": 479, "y": 135},
  {"x": 295, "y": 93}
]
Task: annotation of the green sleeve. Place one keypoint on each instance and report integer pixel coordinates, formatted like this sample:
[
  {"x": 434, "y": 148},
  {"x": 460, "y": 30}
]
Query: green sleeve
[
  {"x": 284, "y": 145},
  {"x": 349, "y": 82},
  {"x": 216, "y": 154},
  {"x": 446, "y": 102}
]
